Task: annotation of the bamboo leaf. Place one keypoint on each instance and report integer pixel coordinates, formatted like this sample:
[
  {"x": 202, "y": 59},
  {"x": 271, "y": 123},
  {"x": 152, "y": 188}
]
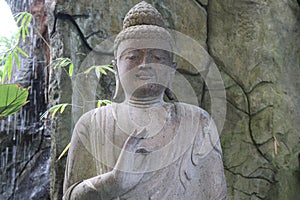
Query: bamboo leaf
[
  {"x": 28, "y": 19},
  {"x": 62, "y": 62},
  {"x": 21, "y": 52},
  {"x": 101, "y": 70},
  {"x": 99, "y": 104},
  {"x": 54, "y": 109},
  {"x": 12, "y": 98},
  {"x": 21, "y": 16},
  {"x": 64, "y": 151},
  {"x": 104, "y": 101},
  {"x": 89, "y": 69},
  {"x": 24, "y": 19},
  {"x": 26, "y": 32},
  {"x": 63, "y": 107},
  {"x": 23, "y": 32},
  {"x": 109, "y": 68},
  {"x": 9, "y": 66},
  {"x": 54, "y": 112},
  {"x": 16, "y": 56},
  {"x": 44, "y": 115},
  {"x": 71, "y": 67}
]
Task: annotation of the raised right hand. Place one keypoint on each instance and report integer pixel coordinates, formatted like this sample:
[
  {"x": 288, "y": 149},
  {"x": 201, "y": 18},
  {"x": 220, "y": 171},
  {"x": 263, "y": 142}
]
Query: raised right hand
[{"x": 132, "y": 162}]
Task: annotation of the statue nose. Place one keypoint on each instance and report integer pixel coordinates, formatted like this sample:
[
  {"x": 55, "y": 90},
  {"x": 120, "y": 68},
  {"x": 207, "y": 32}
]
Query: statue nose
[{"x": 145, "y": 63}]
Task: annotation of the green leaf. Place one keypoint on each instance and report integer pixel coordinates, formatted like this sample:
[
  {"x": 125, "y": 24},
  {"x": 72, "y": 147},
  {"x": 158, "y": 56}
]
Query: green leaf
[
  {"x": 63, "y": 107},
  {"x": 109, "y": 68},
  {"x": 12, "y": 98},
  {"x": 28, "y": 19},
  {"x": 16, "y": 56},
  {"x": 44, "y": 115},
  {"x": 21, "y": 16},
  {"x": 9, "y": 66},
  {"x": 21, "y": 52},
  {"x": 99, "y": 104},
  {"x": 64, "y": 151},
  {"x": 71, "y": 67},
  {"x": 25, "y": 23},
  {"x": 89, "y": 69},
  {"x": 62, "y": 62},
  {"x": 101, "y": 70},
  {"x": 104, "y": 101},
  {"x": 54, "y": 110},
  {"x": 26, "y": 31}
]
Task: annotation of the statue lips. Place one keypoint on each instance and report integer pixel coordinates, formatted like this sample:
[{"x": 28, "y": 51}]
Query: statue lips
[{"x": 144, "y": 75}]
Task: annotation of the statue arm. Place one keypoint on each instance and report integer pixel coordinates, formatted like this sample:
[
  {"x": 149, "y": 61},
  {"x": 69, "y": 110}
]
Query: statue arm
[
  {"x": 208, "y": 158},
  {"x": 81, "y": 178},
  {"x": 213, "y": 161},
  {"x": 82, "y": 181}
]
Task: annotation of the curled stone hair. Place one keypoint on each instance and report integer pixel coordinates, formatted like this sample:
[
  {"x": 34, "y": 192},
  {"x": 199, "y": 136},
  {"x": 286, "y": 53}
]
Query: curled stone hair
[{"x": 143, "y": 21}]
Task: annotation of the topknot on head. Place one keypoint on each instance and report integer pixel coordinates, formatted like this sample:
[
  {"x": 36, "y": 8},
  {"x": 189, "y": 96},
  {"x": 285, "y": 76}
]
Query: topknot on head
[{"x": 143, "y": 14}]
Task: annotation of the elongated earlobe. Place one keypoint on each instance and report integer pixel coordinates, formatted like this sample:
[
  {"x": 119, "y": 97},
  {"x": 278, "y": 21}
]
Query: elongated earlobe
[
  {"x": 119, "y": 92},
  {"x": 174, "y": 65},
  {"x": 168, "y": 90}
]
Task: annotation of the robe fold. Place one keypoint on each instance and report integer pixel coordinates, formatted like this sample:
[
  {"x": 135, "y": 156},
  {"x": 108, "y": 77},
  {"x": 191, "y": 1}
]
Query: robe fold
[{"x": 188, "y": 167}]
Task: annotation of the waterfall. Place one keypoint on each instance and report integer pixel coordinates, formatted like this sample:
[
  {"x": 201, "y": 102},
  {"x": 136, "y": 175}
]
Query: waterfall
[{"x": 24, "y": 139}]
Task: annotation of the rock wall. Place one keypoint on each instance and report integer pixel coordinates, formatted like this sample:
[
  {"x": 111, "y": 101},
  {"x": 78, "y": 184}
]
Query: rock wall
[
  {"x": 255, "y": 46},
  {"x": 24, "y": 141}
]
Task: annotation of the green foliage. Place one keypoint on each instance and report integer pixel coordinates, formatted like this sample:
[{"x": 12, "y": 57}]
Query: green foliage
[
  {"x": 12, "y": 98},
  {"x": 10, "y": 51},
  {"x": 24, "y": 19},
  {"x": 54, "y": 109},
  {"x": 101, "y": 102},
  {"x": 64, "y": 62},
  {"x": 64, "y": 151},
  {"x": 100, "y": 69}
]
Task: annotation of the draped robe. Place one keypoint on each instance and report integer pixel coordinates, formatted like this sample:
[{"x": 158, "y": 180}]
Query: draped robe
[{"x": 188, "y": 166}]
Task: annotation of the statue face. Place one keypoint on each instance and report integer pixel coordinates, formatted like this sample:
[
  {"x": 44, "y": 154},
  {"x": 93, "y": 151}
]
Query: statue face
[{"x": 145, "y": 72}]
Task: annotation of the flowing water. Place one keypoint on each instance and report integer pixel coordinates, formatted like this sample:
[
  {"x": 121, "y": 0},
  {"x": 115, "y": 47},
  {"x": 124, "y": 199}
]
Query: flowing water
[{"x": 24, "y": 139}]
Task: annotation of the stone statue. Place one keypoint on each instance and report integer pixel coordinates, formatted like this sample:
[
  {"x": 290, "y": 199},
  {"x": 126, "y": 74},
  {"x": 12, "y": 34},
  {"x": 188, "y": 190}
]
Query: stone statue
[{"x": 144, "y": 147}]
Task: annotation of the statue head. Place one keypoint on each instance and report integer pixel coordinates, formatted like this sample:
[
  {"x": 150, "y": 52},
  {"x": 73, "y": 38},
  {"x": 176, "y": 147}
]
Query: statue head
[{"x": 143, "y": 53}]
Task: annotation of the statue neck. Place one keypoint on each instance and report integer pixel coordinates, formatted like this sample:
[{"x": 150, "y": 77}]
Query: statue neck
[{"x": 144, "y": 102}]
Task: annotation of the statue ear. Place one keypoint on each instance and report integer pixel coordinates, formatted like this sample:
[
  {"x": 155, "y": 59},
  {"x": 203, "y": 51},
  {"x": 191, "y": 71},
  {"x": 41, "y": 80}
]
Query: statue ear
[
  {"x": 119, "y": 92},
  {"x": 174, "y": 65},
  {"x": 168, "y": 91}
]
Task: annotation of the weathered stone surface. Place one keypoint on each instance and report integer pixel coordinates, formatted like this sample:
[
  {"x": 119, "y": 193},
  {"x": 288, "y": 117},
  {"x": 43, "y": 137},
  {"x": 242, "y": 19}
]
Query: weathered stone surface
[
  {"x": 82, "y": 25},
  {"x": 24, "y": 142},
  {"x": 255, "y": 45}
]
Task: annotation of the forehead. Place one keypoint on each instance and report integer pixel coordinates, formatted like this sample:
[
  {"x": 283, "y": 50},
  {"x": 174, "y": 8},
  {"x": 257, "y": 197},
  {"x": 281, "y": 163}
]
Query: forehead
[
  {"x": 145, "y": 50},
  {"x": 135, "y": 44}
]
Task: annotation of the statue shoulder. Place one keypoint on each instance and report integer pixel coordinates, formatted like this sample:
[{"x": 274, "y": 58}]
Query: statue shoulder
[
  {"x": 97, "y": 113},
  {"x": 203, "y": 114}
]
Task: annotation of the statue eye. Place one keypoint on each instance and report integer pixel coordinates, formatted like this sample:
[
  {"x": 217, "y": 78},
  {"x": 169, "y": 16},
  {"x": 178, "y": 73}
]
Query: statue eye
[
  {"x": 131, "y": 57},
  {"x": 157, "y": 57}
]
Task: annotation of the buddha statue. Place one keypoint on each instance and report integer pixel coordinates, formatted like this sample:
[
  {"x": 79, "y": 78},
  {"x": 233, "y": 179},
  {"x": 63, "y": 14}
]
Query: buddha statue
[{"x": 141, "y": 147}]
